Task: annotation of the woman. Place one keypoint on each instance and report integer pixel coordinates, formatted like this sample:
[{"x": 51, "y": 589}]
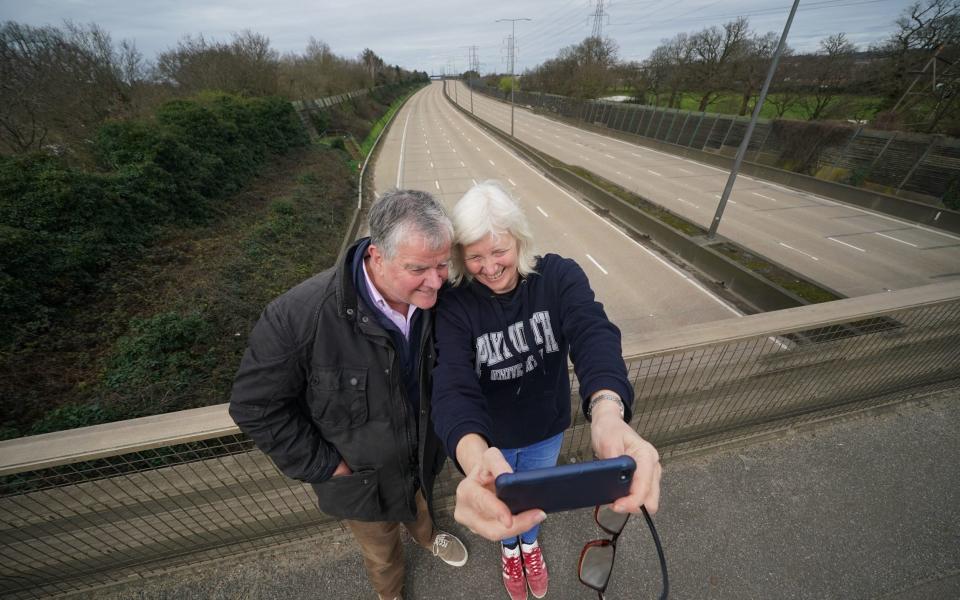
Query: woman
[{"x": 504, "y": 332}]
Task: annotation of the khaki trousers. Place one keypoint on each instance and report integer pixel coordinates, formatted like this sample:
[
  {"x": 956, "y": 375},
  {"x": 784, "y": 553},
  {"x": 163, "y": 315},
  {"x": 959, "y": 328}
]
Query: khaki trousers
[{"x": 382, "y": 552}]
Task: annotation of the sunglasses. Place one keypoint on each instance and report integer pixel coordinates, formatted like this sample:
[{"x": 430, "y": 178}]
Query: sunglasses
[{"x": 596, "y": 558}]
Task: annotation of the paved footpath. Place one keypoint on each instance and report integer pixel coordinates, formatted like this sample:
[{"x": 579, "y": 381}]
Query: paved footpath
[{"x": 867, "y": 506}]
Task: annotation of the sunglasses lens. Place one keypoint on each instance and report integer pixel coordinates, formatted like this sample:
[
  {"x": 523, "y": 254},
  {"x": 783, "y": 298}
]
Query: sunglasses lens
[
  {"x": 611, "y": 521},
  {"x": 595, "y": 566}
]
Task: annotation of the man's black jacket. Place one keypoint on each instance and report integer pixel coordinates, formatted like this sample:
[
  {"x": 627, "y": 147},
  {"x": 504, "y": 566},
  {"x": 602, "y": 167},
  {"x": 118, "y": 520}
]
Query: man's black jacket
[{"x": 321, "y": 380}]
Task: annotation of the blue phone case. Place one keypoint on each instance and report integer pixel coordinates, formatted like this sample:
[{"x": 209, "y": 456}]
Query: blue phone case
[{"x": 567, "y": 487}]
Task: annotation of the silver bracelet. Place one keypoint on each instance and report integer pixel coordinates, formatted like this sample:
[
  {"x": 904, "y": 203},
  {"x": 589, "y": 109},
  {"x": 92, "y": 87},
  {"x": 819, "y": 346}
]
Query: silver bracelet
[{"x": 604, "y": 396}]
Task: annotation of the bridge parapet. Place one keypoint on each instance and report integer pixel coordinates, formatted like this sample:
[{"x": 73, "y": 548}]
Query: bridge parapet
[{"x": 100, "y": 504}]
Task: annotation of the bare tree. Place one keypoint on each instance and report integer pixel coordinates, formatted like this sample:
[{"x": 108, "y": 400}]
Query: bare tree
[
  {"x": 57, "y": 84},
  {"x": 751, "y": 69},
  {"x": 830, "y": 71},
  {"x": 670, "y": 64},
  {"x": 247, "y": 65},
  {"x": 716, "y": 51}
]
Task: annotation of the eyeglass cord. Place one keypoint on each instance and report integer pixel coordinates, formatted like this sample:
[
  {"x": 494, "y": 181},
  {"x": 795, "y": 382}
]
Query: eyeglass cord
[{"x": 663, "y": 561}]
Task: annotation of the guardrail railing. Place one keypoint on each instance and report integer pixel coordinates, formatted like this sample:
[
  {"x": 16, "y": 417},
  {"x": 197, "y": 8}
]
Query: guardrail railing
[{"x": 101, "y": 504}]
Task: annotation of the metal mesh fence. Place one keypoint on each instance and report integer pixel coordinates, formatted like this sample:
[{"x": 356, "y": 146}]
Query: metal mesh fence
[
  {"x": 90, "y": 523},
  {"x": 893, "y": 162}
]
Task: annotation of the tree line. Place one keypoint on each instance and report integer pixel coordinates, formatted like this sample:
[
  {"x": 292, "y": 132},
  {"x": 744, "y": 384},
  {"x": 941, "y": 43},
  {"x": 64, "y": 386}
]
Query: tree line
[
  {"x": 912, "y": 75},
  {"x": 57, "y": 84}
]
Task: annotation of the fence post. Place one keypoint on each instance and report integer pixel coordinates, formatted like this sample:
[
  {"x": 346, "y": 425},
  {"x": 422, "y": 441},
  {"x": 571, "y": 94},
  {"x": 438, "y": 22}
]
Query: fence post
[
  {"x": 696, "y": 129},
  {"x": 933, "y": 142},
  {"x": 646, "y": 131},
  {"x": 683, "y": 126},
  {"x": 882, "y": 150},
  {"x": 723, "y": 142},
  {"x": 666, "y": 136},
  {"x": 656, "y": 134},
  {"x": 846, "y": 147},
  {"x": 756, "y": 156}
]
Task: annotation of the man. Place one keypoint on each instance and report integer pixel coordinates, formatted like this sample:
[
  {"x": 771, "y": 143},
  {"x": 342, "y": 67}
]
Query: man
[{"x": 334, "y": 385}]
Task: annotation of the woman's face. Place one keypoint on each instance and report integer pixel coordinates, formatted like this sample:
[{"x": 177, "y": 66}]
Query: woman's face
[{"x": 493, "y": 262}]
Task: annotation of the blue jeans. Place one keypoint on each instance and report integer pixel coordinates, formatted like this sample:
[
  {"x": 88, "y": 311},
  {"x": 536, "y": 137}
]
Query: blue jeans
[{"x": 535, "y": 456}]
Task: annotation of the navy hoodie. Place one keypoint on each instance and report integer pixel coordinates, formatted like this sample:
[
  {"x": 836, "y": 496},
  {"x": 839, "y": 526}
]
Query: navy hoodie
[{"x": 502, "y": 359}]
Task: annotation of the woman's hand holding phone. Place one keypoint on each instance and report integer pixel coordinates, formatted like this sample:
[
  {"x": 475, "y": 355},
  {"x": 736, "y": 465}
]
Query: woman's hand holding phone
[
  {"x": 477, "y": 504},
  {"x": 612, "y": 437}
]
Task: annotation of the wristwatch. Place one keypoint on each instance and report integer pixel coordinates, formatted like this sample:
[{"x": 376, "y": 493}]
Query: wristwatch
[{"x": 604, "y": 396}]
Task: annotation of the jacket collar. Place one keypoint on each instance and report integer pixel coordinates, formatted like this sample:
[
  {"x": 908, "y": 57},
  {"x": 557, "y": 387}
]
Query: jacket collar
[{"x": 348, "y": 300}]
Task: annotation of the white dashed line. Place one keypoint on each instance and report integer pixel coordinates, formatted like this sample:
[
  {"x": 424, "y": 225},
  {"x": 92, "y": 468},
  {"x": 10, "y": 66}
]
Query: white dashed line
[
  {"x": 890, "y": 237},
  {"x": 463, "y": 165},
  {"x": 431, "y": 165},
  {"x": 682, "y": 170},
  {"x": 511, "y": 182},
  {"x": 598, "y": 264},
  {"x": 800, "y": 251},
  {"x": 542, "y": 212},
  {"x": 610, "y": 156},
  {"x": 491, "y": 162},
  {"x": 436, "y": 183},
  {"x": 762, "y": 196},
  {"x": 478, "y": 149},
  {"x": 637, "y": 155},
  {"x": 654, "y": 173},
  {"x": 845, "y": 244},
  {"x": 687, "y": 202}
]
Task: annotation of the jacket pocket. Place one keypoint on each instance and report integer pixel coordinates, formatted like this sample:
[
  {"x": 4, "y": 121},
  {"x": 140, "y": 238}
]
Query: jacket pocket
[
  {"x": 339, "y": 397},
  {"x": 355, "y": 496}
]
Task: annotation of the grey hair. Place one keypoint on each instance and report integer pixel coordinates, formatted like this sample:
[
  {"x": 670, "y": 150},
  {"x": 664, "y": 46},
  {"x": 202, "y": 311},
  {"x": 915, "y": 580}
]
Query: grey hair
[
  {"x": 401, "y": 213},
  {"x": 488, "y": 209}
]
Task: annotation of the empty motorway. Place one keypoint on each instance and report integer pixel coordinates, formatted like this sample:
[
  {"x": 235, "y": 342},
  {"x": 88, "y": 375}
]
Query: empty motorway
[
  {"x": 431, "y": 146},
  {"x": 849, "y": 249}
]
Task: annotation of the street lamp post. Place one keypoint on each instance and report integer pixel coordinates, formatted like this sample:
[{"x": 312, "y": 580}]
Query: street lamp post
[{"x": 753, "y": 121}]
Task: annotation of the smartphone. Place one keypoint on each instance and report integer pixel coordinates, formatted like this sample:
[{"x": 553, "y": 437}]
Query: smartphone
[{"x": 567, "y": 487}]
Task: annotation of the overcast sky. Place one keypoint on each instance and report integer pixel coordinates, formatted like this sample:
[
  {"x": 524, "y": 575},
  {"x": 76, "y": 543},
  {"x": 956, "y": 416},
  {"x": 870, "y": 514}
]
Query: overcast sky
[{"x": 433, "y": 35}]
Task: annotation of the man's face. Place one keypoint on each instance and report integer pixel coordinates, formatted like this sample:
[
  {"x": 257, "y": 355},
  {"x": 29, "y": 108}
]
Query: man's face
[{"x": 413, "y": 275}]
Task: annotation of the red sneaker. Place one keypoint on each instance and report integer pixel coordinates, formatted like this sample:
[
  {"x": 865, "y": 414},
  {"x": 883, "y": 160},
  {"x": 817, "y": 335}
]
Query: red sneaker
[
  {"x": 536, "y": 569},
  {"x": 513, "y": 578}
]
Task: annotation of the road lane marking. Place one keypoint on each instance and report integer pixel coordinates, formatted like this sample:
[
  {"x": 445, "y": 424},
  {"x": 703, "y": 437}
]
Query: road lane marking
[
  {"x": 649, "y": 252},
  {"x": 403, "y": 141},
  {"x": 511, "y": 182},
  {"x": 491, "y": 162},
  {"x": 688, "y": 202},
  {"x": 637, "y": 155},
  {"x": 478, "y": 149},
  {"x": 593, "y": 260},
  {"x": 474, "y": 181},
  {"x": 542, "y": 212},
  {"x": 890, "y": 237},
  {"x": 682, "y": 170},
  {"x": 463, "y": 165},
  {"x": 762, "y": 196},
  {"x": 800, "y": 251},
  {"x": 431, "y": 165},
  {"x": 845, "y": 244},
  {"x": 610, "y": 156},
  {"x": 436, "y": 183},
  {"x": 654, "y": 173}
]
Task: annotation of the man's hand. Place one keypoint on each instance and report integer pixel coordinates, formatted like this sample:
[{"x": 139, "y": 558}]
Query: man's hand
[
  {"x": 342, "y": 469},
  {"x": 478, "y": 506},
  {"x": 613, "y": 437}
]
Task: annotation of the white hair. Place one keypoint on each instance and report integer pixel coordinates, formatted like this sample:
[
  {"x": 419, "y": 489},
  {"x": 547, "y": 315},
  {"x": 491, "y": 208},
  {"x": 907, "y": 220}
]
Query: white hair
[{"x": 488, "y": 209}]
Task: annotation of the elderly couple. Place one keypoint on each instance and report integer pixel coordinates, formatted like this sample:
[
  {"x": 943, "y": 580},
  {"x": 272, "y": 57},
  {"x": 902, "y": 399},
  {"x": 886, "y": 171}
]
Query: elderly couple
[{"x": 363, "y": 379}]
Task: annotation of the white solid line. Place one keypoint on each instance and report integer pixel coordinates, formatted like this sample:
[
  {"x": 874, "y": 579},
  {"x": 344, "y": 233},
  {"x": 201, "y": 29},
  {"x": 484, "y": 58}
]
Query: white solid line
[
  {"x": 890, "y": 237},
  {"x": 542, "y": 212},
  {"x": 845, "y": 244},
  {"x": 511, "y": 182},
  {"x": 654, "y": 173},
  {"x": 800, "y": 251},
  {"x": 403, "y": 141},
  {"x": 598, "y": 264},
  {"x": 762, "y": 196}
]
